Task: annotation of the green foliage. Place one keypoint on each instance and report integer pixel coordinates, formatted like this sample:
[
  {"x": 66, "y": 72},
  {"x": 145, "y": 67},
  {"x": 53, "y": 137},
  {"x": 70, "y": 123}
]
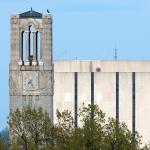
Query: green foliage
[
  {"x": 93, "y": 122},
  {"x": 146, "y": 147},
  {"x": 4, "y": 139},
  {"x": 64, "y": 129},
  {"x": 119, "y": 137},
  {"x": 2, "y": 146},
  {"x": 31, "y": 129}
]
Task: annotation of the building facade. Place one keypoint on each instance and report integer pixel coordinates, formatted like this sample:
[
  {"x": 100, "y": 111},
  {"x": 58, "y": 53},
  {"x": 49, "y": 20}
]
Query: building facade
[
  {"x": 120, "y": 88},
  {"x": 31, "y": 67}
]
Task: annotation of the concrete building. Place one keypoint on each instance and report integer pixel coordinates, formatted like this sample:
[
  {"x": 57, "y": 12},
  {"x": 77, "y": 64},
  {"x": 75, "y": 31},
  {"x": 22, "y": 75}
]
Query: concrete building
[
  {"x": 31, "y": 66},
  {"x": 120, "y": 88}
]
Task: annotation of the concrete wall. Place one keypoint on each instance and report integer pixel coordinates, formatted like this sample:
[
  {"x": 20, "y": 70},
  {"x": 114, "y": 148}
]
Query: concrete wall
[
  {"x": 143, "y": 104},
  {"x": 64, "y": 92},
  {"x": 105, "y": 89},
  {"x": 125, "y": 95}
]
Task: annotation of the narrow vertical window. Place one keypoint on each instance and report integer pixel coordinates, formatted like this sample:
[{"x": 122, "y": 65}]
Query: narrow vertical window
[
  {"x": 23, "y": 46},
  {"x": 117, "y": 97},
  {"x": 92, "y": 88},
  {"x": 133, "y": 105},
  {"x": 76, "y": 98},
  {"x": 38, "y": 46},
  {"x": 31, "y": 43}
]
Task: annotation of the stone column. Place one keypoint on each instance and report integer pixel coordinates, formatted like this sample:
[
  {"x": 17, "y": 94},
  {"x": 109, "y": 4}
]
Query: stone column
[
  {"x": 14, "y": 54},
  {"x": 27, "y": 62},
  {"x": 41, "y": 49},
  {"x": 46, "y": 41},
  {"x": 41, "y": 52},
  {"x": 34, "y": 62},
  {"x": 20, "y": 48}
]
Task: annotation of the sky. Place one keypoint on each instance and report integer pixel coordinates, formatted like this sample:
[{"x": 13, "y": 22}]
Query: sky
[{"x": 82, "y": 29}]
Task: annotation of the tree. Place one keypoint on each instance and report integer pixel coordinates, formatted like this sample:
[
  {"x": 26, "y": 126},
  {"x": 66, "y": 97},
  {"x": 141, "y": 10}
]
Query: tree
[
  {"x": 64, "y": 130},
  {"x": 2, "y": 146},
  {"x": 30, "y": 128},
  {"x": 4, "y": 139},
  {"x": 146, "y": 147},
  {"x": 93, "y": 122},
  {"x": 96, "y": 132},
  {"x": 118, "y": 136}
]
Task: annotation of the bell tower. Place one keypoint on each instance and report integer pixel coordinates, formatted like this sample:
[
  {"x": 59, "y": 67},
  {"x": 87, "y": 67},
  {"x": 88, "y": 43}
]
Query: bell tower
[{"x": 31, "y": 63}]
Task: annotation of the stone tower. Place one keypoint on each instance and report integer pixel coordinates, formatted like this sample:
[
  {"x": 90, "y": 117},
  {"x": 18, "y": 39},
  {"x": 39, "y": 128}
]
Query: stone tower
[{"x": 31, "y": 64}]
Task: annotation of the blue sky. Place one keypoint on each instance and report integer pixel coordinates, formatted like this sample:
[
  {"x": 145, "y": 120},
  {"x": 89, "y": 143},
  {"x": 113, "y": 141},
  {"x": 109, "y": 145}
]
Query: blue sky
[{"x": 82, "y": 29}]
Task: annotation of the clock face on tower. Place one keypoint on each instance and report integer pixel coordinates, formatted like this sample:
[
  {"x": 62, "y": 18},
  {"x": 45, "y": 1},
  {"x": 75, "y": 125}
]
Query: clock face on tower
[{"x": 30, "y": 80}]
